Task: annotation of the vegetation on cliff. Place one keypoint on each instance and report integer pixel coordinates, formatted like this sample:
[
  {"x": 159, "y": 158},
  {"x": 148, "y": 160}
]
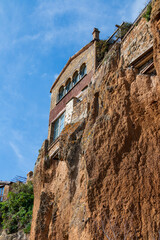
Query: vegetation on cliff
[
  {"x": 147, "y": 13},
  {"x": 16, "y": 211},
  {"x": 123, "y": 29},
  {"x": 103, "y": 46}
]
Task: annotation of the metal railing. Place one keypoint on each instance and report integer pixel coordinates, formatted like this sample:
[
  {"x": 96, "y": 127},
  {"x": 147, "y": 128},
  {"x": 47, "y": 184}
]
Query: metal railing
[{"x": 114, "y": 34}]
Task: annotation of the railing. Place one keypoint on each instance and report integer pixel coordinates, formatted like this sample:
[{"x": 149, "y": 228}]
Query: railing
[
  {"x": 119, "y": 33},
  {"x": 19, "y": 179},
  {"x": 113, "y": 35}
]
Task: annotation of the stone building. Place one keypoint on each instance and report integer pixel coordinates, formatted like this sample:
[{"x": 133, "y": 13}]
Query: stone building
[
  {"x": 69, "y": 89},
  {"x": 5, "y": 187},
  {"x": 102, "y": 173}
]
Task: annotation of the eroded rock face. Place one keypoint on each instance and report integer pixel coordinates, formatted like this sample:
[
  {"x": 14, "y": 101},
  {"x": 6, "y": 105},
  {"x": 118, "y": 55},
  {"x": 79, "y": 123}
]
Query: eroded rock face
[
  {"x": 106, "y": 183},
  {"x": 20, "y": 235},
  {"x": 122, "y": 160}
]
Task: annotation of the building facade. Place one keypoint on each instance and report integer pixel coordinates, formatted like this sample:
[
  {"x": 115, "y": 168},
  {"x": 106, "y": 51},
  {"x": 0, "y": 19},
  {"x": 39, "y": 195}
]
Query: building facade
[{"x": 70, "y": 88}]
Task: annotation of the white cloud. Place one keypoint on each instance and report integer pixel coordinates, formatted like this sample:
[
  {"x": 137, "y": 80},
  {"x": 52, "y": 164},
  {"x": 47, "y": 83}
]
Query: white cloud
[
  {"x": 27, "y": 38},
  {"x": 17, "y": 152},
  {"x": 48, "y": 24},
  {"x": 81, "y": 17},
  {"x": 28, "y": 32}
]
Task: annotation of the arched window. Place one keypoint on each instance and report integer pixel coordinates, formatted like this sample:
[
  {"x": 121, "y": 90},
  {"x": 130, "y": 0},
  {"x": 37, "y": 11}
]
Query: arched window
[
  {"x": 68, "y": 85},
  {"x": 83, "y": 70},
  {"x": 61, "y": 93},
  {"x": 75, "y": 78}
]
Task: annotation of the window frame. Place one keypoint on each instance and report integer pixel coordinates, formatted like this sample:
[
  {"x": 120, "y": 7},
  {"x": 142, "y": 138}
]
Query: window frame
[
  {"x": 1, "y": 193},
  {"x": 68, "y": 83},
  {"x": 75, "y": 76},
  {"x": 71, "y": 82},
  {"x": 61, "y": 93},
  {"x": 84, "y": 68},
  {"x": 58, "y": 126}
]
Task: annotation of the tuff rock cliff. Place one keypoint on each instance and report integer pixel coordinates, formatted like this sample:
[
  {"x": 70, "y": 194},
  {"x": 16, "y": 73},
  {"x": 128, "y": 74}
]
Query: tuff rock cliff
[{"x": 106, "y": 184}]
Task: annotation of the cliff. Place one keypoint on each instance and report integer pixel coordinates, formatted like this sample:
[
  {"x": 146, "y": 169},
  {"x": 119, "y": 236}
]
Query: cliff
[{"x": 106, "y": 183}]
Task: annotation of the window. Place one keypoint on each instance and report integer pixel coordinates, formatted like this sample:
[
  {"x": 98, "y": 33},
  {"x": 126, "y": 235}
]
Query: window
[
  {"x": 61, "y": 93},
  {"x": 75, "y": 78},
  {"x": 58, "y": 126},
  {"x": 1, "y": 193},
  {"x": 68, "y": 85},
  {"x": 83, "y": 70}
]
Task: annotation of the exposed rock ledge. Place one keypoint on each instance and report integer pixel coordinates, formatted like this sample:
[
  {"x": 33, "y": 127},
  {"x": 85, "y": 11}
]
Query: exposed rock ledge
[{"x": 20, "y": 235}]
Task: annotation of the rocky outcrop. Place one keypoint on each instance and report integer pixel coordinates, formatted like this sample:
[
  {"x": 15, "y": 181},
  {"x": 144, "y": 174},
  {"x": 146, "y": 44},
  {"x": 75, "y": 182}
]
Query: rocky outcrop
[
  {"x": 20, "y": 235},
  {"x": 106, "y": 183}
]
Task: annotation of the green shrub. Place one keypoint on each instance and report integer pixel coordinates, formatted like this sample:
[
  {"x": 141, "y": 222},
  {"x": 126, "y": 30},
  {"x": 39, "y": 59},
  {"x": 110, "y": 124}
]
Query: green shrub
[
  {"x": 147, "y": 13},
  {"x": 16, "y": 211},
  {"x": 102, "y": 48}
]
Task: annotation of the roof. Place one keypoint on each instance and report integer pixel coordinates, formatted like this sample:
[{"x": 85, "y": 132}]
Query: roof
[
  {"x": 70, "y": 60},
  {"x": 3, "y": 183}
]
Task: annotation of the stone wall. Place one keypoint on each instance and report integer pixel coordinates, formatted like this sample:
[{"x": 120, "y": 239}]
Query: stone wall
[
  {"x": 87, "y": 57},
  {"x": 155, "y": 23},
  {"x": 6, "y": 191},
  {"x": 72, "y": 93},
  {"x": 61, "y": 106},
  {"x": 80, "y": 109},
  {"x": 137, "y": 41},
  {"x": 69, "y": 110}
]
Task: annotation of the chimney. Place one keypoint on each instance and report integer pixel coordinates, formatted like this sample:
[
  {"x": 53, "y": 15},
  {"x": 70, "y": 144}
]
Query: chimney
[{"x": 95, "y": 34}]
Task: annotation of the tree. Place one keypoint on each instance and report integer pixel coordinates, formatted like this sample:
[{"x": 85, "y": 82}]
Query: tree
[{"x": 16, "y": 211}]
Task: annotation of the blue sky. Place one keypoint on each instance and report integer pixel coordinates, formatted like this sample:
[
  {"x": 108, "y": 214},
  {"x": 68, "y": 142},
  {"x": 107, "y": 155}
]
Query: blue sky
[{"x": 37, "y": 37}]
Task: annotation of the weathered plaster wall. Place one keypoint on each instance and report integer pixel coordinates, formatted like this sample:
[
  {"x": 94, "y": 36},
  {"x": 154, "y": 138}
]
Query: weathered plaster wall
[
  {"x": 80, "y": 110},
  {"x": 69, "y": 110}
]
